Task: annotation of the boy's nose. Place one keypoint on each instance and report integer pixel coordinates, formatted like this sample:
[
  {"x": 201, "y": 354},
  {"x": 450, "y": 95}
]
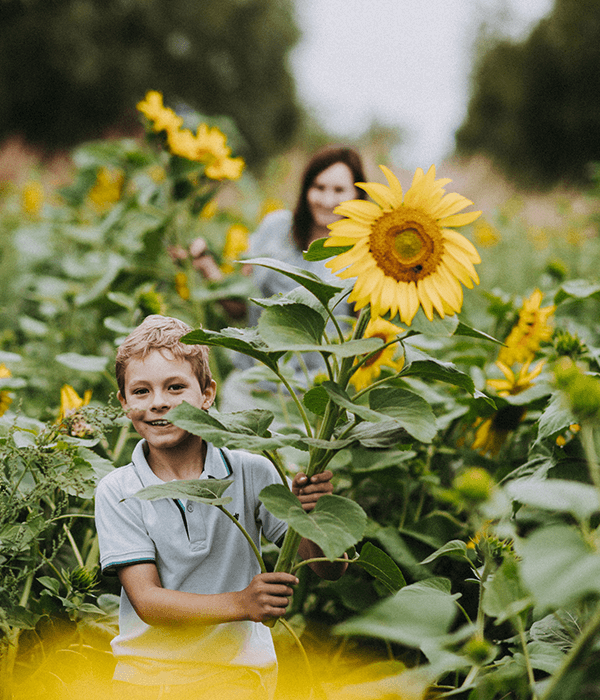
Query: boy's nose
[{"x": 160, "y": 401}]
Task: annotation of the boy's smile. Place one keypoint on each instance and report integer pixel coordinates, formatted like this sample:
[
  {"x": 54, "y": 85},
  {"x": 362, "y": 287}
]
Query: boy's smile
[{"x": 153, "y": 386}]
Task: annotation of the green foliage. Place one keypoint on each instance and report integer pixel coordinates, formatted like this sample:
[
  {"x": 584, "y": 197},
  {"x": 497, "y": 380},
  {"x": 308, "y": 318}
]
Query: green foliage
[{"x": 534, "y": 106}]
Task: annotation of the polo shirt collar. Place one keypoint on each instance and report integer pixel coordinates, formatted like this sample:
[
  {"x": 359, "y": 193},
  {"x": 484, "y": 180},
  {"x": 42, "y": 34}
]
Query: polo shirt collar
[{"x": 215, "y": 466}]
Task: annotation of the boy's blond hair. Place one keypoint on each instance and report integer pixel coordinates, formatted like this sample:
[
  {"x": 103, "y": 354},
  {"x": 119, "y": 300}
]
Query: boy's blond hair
[{"x": 162, "y": 333}]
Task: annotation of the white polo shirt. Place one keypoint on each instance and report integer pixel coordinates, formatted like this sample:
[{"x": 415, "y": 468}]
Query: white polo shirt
[{"x": 197, "y": 549}]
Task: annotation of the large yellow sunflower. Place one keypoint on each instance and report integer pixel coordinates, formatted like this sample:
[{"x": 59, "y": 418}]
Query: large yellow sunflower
[
  {"x": 404, "y": 255},
  {"x": 370, "y": 370},
  {"x": 533, "y": 327}
]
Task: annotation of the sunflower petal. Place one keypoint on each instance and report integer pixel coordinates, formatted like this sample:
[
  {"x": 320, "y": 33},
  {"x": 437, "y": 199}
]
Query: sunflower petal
[
  {"x": 460, "y": 219},
  {"x": 360, "y": 210},
  {"x": 395, "y": 186},
  {"x": 378, "y": 192}
]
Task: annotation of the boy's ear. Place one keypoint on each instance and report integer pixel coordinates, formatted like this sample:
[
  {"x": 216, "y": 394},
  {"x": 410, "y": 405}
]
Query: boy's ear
[
  {"x": 209, "y": 394},
  {"x": 122, "y": 399}
]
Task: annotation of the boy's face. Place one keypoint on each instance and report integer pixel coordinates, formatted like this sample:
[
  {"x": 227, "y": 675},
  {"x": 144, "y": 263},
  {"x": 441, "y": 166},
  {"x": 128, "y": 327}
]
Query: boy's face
[{"x": 153, "y": 386}]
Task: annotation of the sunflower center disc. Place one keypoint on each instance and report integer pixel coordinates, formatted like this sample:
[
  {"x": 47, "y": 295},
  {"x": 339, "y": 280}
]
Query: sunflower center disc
[{"x": 406, "y": 244}]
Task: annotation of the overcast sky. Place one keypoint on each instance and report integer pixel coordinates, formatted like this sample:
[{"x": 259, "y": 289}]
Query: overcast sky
[{"x": 405, "y": 62}]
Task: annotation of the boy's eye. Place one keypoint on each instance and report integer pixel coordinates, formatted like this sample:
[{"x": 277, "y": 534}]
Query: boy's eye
[
  {"x": 138, "y": 392},
  {"x": 177, "y": 387}
]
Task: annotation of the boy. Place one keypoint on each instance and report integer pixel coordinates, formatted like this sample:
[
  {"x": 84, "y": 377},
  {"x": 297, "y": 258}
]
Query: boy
[{"x": 192, "y": 595}]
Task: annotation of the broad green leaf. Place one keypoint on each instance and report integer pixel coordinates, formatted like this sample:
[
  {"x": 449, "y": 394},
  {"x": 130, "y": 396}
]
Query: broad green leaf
[
  {"x": 9, "y": 383},
  {"x": 341, "y": 398},
  {"x": 324, "y": 292},
  {"x": 381, "y": 566},
  {"x": 545, "y": 657},
  {"x": 394, "y": 544},
  {"x": 202, "y": 423},
  {"x": 235, "y": 288},
  {"x": 469, "y": 332},
  {"x": 581, "y": 500},
  {"x": 52, "y": 584},
  {"x": 6, "y": 356},
  {"x": 419, "y": 364},
  {"x": 316, "y": 400},
  {"x": 577, "y": 289},
  {"x": 335, "y": 523},
  {"x": 558, "y": 566},
  {"x": 317, "y": 251},
  {"x": 444, "y": 327},
  {"x": 456, "y": 549},
  {"x": 382, "y": 435},
  {"x": 413, "y": 616},
  {"x": 504, "y": 595},
  {"x": 209, "y": 491},
  {"x": 556, "y": 418},
  {"x": 112, "y": 266},
  {"x": 82, "y": 363},
  {"x": 411, "y": 411},
  {"x": 291, "y": 325},
  {"x": 247, "y": 341}
]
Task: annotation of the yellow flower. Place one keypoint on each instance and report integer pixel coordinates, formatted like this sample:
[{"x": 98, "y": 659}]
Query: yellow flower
[
  {"x": 225, "y": 169},
  {"x": 531, "y": 329},
  {"x": 164, "y": 118},
  {"x": 404, "y": 255},
  {"x": 5, "y": 399},
  {"x": 107, "y": 189},
  {"x": 207, "y": 145},
  {"x": 515, "y": 384},
  {"x": 157, "y": 173},
  {"x": 270, "y": 204},
  {"x": 368, "y": 372},
  {"x": 236, "y": 243},
  {"x": 71, "y": 402},
  {"x": 209, "y": 210},
  {"x": 485, "y": 235},
  {"x": 492, "y": 433},
  {"x": 181, "y": 285},
  {"x": 32, "y": 198}
]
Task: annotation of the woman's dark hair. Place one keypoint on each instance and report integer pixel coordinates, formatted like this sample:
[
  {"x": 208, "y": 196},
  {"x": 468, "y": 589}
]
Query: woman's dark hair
[{"x": 322, "y": 160}]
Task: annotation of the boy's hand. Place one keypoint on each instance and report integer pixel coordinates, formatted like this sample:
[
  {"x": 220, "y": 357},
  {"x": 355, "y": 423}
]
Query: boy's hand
[
  {"x": 267, "y": 596},
  {"x": 310, "y": 490}
]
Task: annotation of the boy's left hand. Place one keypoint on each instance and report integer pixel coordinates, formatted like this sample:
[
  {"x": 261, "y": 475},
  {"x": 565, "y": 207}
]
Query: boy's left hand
[{"x": 310, "y": 490}]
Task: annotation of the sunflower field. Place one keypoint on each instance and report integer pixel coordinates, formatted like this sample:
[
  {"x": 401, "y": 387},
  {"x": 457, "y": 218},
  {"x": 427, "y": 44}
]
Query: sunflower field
[{"x": 459, "y": 410}]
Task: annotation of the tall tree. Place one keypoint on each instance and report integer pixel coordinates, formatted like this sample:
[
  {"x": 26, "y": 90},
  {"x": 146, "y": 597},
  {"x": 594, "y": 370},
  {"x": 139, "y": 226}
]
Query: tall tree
[
  {"x": 535, "y": 105},
  {"x": 70, "y": 69}
]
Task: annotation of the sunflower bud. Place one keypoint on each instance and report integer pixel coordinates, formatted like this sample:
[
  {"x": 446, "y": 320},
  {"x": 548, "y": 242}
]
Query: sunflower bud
[
  {"x": 474, "y": 484},
  {"x": 581, "y": 390}
]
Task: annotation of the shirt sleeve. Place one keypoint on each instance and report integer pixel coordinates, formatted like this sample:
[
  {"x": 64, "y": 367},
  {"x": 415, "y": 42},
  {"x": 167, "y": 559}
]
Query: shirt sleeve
[{"x": 122, "y": 535}]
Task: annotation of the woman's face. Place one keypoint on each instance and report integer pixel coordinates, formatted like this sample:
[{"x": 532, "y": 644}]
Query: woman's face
[{"x": 331, "y": 187}]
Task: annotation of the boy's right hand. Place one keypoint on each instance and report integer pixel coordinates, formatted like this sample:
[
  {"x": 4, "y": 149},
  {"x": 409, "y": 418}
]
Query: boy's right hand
[{"x": 267, "y": 596}]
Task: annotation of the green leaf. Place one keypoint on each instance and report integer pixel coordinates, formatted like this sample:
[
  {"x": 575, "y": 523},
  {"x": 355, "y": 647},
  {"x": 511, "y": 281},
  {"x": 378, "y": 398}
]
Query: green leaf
[
  {"x": 50, "y": 583},
  {"x": 383, "y": 435},
  {"x": 82, "y": 363},
  {"x": 316, "y": 400},
  {"x": 504, "y": 595},
  {"x": 555, "y": 419},
  {"x": 414, "y": 616},
  {"x": 230, "y": 433},
  {"x": 317, "y": 250},
  {"x": 581, "y": 500},
  {"x": 577, "y": 289},
  {"x": 247, "y": 341},
  {"x": 291, "y": 325},
  {"x": 381, "y": 566},
  {"x": 324, "y": 292},
  {"x": 558, "y": 566},
  {"x": 335, "y": 523},
  {"x": 341, "y": 398},
  {"x": 463, "y": 329},
  {"x": 456, "y": 549},
  {"x": 411, "y": 411},
  {"x": 444, "y": 327},
  {"x": 209, "y": 491},
  {"x": 112, "y": 266},
  {"x": 545, "y": 656},
  {"x": 417, "y": 363}
]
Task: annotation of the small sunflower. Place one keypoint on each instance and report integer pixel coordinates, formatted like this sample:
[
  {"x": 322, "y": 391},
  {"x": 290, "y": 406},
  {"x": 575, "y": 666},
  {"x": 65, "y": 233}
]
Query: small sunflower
[
  {"x": 236, "y": 243},
  {"x": 515, "y": 383},
  {"x": 404, "y": 255},
  {"x": 225, "y": 169},
  {"x": 370, "y": 370},
  {"x": 71, "y": 402},
  {"x": 32, "y": 198},
  {"x": 181, "y": 285},
  {"x": 533, "y": 327},
  {"x": 164, "y": 118},
  {"x": 492, "y": 433},
  {"x": 5, "y": 398},
  {"x": 107, "y": 189}
]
